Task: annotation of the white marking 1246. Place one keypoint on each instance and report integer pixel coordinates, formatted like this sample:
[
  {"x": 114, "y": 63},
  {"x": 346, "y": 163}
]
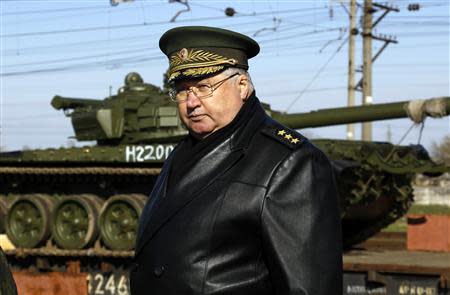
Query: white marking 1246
[{"x": 108, "y": 284}]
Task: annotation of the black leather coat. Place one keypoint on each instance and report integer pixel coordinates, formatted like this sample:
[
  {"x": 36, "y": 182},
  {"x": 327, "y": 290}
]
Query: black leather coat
[{"x": 257, "y": 215}]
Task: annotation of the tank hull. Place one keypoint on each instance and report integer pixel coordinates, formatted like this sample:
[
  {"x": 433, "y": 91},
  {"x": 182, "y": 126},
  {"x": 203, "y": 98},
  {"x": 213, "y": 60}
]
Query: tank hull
[{"x": 375, "y": 190}]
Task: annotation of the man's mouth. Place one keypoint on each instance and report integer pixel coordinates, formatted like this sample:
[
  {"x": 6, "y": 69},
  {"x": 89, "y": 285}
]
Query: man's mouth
[{"x": 196, "y": 117}]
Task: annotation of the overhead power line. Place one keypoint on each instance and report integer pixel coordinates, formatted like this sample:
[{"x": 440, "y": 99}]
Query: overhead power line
[
  {"x": 135, "y": 49},
  {"x": 43, "y": 17},
  {"x": 316, "y": 75},
  {"x": 105, "y": 54},
  {"x": 85, "y": 66},
  {"x": 71, "y": 9},
  {"x": 142, "y": 38},
  {"x": 35, "y": 49},
  {"x": 109, "y": 54},
  {"x": 128, "y": 26},
  {"x": 298, "y": 35}
]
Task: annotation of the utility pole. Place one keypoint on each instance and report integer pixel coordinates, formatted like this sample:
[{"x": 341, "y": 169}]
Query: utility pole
[
  {"x": 365, "y": 84},
  {"x": 351, "y": 66},
  {"x": 367, "y": 66},
  {"x": 389, "y": 134}
]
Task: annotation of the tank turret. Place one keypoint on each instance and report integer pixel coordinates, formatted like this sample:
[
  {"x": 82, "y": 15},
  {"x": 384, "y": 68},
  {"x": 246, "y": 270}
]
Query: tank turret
[
  {"x": 62, "y": 103},
  {"x": 139, "y": 113},
  {"x": 93, "y": 195}
]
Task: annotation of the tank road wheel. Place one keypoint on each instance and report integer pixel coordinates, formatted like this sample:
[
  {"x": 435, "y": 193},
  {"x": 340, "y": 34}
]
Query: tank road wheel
[
  {"x": 75, "y": 218},
  {"x": 119, "y": 221},
  {"x": 28, "y": 221}
]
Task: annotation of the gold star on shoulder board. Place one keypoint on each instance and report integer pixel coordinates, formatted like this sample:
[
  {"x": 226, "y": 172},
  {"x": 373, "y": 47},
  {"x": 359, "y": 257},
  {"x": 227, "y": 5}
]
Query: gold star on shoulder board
[
  {"x": 281, "y": 132},
  {"x": 295, "y": 140},
  {"x": 288, "y": 136}
]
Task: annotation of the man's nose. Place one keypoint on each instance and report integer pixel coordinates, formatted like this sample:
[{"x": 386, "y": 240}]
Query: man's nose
[{"x": 192, "y": 100}]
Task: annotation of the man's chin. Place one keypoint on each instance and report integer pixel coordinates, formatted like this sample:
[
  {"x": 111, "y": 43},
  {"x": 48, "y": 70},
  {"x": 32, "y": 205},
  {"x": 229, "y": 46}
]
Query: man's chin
[{"x": 199, "y": 131}]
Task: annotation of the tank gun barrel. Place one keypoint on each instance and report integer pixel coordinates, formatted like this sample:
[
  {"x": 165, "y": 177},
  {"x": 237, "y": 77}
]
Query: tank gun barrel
[
  {"x": 60, "y": 102},
  {"x": 417, "y": 110}
]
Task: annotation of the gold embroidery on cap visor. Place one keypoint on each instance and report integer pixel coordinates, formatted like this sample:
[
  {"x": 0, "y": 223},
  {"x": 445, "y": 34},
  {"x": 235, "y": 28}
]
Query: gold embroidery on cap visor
[
  {"x": 197, "y": 62},
  {"x": 196, "y": 71}
]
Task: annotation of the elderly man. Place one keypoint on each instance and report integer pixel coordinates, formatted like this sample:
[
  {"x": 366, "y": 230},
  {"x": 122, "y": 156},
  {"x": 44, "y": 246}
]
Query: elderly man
[{"x": 243, "y": 205}]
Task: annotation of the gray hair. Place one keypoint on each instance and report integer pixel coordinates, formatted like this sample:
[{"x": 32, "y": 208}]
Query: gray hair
[{"x": 231, "y": 71}]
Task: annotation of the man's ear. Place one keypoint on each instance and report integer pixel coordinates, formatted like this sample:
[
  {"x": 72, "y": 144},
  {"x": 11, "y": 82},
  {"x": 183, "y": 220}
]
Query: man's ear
[{"x": 244, "y": 87}]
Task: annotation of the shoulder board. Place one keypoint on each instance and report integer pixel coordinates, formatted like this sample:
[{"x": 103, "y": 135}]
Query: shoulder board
[{"x": 284, "y": 135}]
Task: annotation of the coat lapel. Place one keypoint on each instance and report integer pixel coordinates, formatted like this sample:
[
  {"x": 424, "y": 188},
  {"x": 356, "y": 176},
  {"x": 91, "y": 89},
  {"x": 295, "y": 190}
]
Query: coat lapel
[
  {"x": 156, "y": 195},
  {"x": 205, "y": 172}
]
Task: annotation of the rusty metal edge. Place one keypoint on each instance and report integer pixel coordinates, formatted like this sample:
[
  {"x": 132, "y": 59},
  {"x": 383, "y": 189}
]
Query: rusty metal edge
[
  {"x": 79, "y": 170},
  {"x": 23, "y": 252}
]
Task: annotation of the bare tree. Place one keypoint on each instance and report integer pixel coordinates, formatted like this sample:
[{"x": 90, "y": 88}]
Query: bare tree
[{"x": 441, "y": 151}]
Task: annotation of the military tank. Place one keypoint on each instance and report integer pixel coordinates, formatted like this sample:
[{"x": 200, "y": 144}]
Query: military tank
[{"x": 89, "y": 198}]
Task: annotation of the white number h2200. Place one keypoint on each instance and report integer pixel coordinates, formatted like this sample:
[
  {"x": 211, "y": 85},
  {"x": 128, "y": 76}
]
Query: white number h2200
[{"x": 144, "y": 153}]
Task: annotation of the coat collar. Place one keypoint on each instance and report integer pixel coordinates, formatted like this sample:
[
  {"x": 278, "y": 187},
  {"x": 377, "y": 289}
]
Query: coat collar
[
  {"x": 203, "y": 174},
  {"x": 242, "y": 137}
]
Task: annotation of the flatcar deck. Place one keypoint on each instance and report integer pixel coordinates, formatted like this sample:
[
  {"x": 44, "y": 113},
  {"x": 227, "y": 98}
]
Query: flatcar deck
[
  {"x": 392, "y": 272},
  {"x": 399, "y": 261}
]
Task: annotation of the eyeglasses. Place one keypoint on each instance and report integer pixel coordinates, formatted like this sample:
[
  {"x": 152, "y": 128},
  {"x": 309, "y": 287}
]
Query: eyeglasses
[{"x": 201, "y": 90}]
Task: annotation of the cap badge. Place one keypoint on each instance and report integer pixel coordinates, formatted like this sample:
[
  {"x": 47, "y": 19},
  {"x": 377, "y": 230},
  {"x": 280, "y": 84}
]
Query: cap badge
[{"x": 183, "y": 54}]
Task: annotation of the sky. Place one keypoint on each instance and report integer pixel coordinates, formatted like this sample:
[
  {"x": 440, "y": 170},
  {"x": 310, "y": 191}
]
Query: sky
[{"x": 85, "y": 48}]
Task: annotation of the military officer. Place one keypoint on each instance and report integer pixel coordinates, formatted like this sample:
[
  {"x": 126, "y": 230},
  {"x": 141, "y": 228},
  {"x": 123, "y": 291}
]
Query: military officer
[{"x": 243, "y": 205}]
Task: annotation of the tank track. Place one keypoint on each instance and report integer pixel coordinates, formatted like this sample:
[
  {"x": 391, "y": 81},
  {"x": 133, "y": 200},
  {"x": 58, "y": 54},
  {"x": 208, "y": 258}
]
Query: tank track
[{"x": 399, "y": 209}]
